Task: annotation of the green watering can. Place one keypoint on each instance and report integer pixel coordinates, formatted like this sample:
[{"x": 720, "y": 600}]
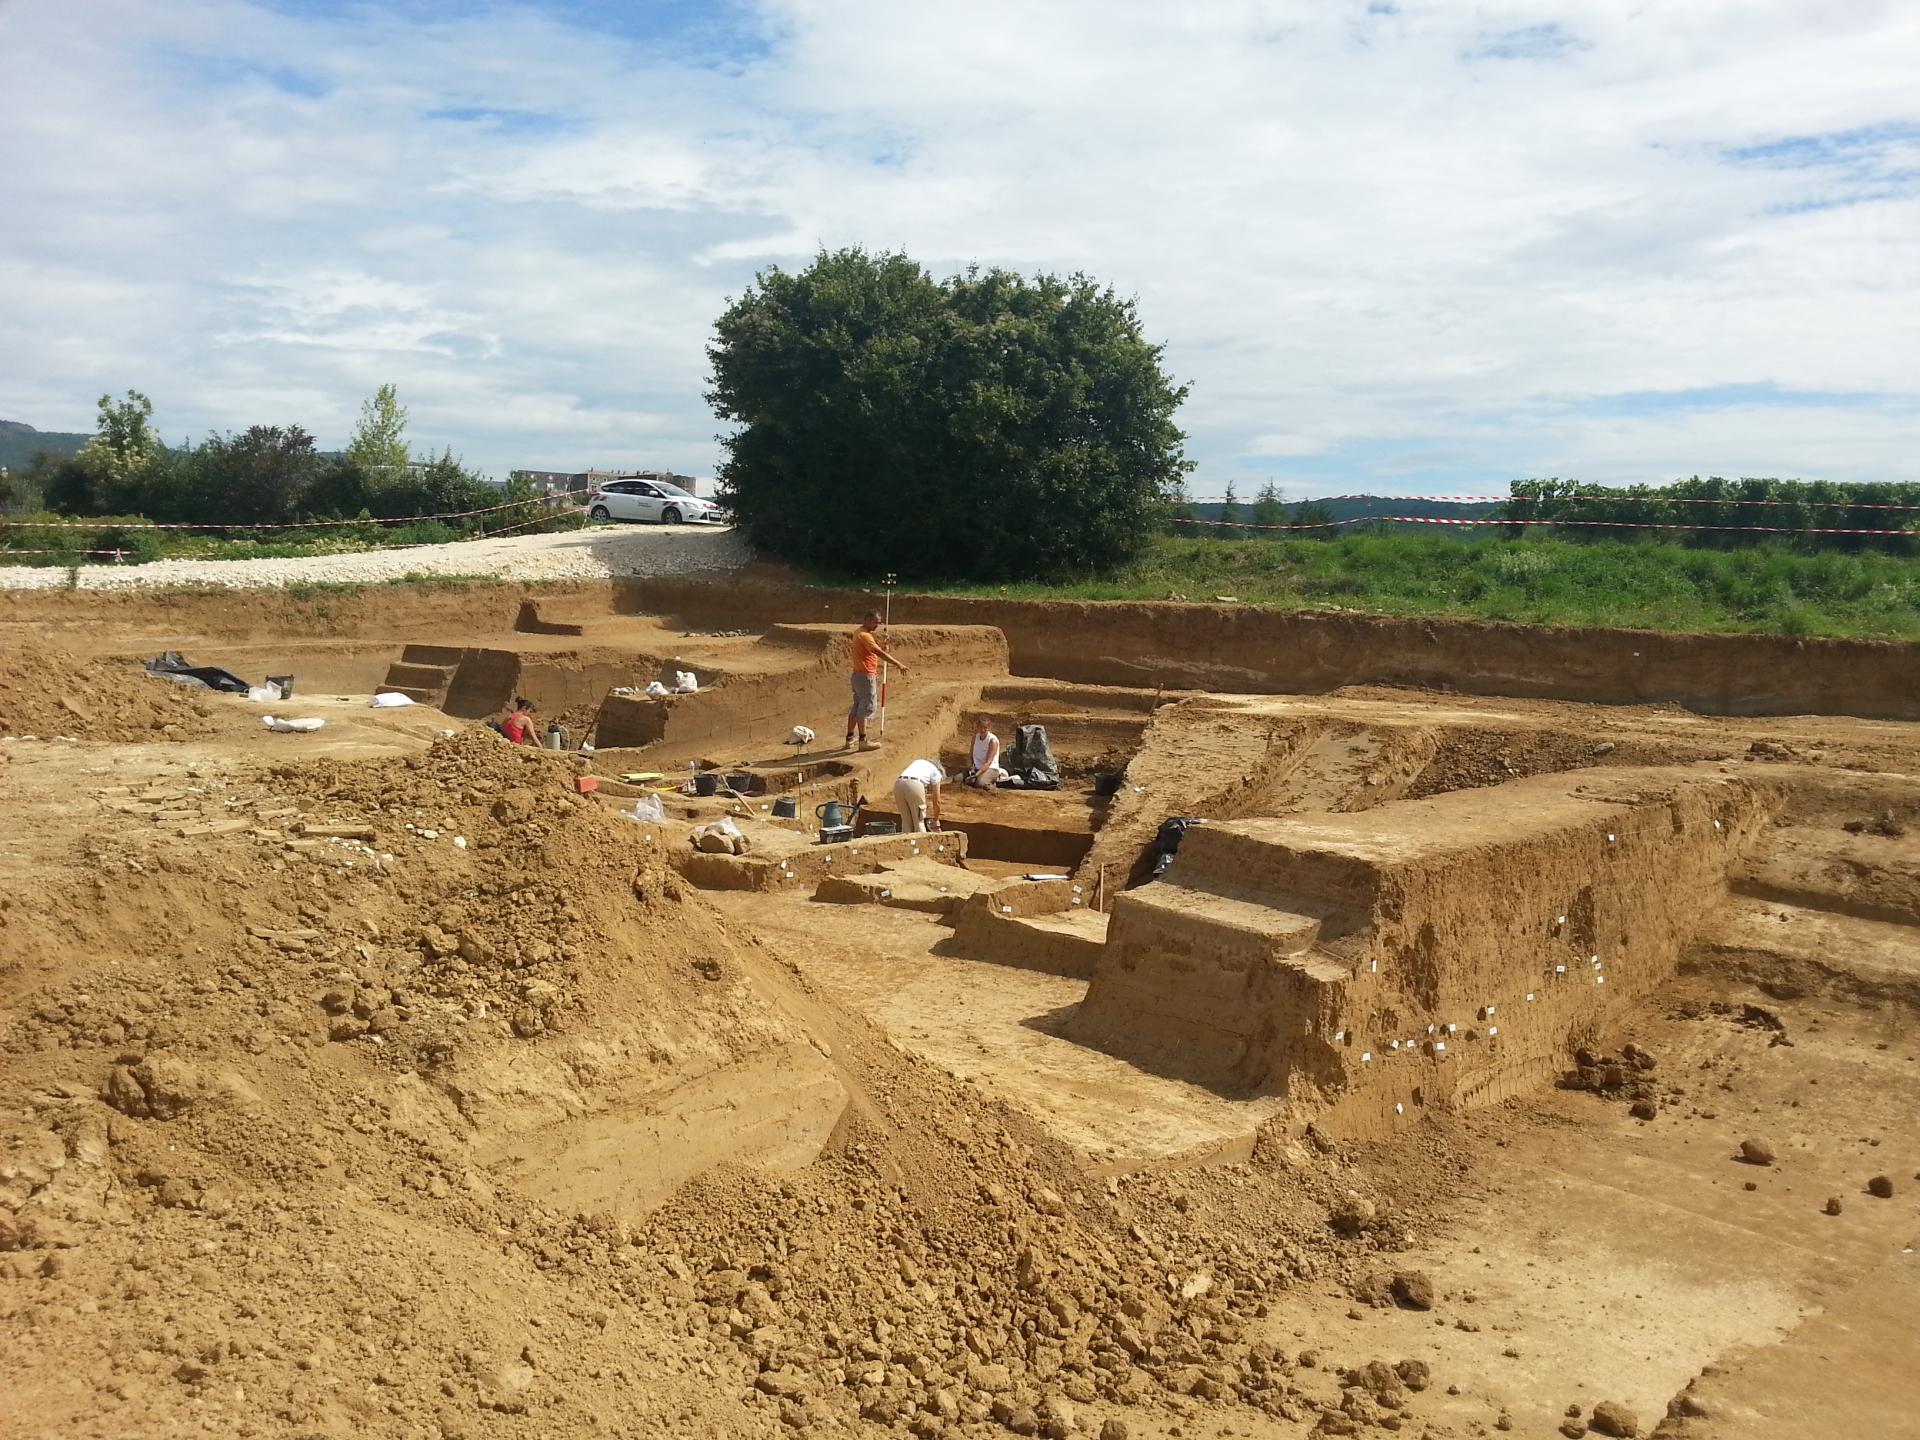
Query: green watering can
[{"x": 833, "y": 814}]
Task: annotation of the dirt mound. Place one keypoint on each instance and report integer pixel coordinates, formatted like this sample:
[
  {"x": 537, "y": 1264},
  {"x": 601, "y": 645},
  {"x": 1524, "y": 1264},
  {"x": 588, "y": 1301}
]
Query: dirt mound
[
  {"x": 343, "y": 1139},
  {"x": 46, "y": 692}
]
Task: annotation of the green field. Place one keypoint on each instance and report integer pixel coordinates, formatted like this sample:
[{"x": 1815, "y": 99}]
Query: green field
[{"x": 1640, "y": 585}]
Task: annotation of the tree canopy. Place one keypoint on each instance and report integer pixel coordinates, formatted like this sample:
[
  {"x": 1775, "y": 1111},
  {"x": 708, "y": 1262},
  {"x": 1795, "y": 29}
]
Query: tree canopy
[
  {"x": 379, "y": 441},
  {"x": 263, "y": 475},
  {"x": 988, "y": 426}
]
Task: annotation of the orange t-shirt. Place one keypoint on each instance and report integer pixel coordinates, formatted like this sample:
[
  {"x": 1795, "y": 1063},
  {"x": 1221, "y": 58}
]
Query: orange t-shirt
[{"x": 866, "y": 653}]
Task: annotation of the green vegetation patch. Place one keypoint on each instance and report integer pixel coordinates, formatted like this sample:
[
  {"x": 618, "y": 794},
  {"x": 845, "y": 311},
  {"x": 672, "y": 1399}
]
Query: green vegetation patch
[{"x": 1770, "y": 589}]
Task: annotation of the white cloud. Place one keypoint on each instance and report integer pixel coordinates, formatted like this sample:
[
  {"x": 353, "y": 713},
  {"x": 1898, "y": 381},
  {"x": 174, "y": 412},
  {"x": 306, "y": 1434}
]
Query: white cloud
[{"x": 1408, "y": 246}]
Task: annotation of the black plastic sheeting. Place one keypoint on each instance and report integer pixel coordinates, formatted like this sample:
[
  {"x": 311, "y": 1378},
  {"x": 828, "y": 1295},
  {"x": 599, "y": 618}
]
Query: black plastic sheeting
[
  {"x": 1031, "y": 761},
  {"x": 173, "y": 666}
]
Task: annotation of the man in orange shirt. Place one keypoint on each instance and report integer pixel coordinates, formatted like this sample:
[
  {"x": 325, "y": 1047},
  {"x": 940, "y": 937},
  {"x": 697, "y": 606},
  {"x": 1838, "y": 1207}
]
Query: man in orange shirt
[{"x": 867, "y": 655}]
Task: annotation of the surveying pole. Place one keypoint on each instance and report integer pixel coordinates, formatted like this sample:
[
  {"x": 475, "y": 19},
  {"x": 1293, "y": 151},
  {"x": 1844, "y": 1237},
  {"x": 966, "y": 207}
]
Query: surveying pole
[{"x": 886, "y": 625}]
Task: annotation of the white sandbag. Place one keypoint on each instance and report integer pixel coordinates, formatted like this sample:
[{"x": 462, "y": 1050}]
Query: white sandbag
[
  {"x": 389, "y": 700},
  {"x": 265, "y": 694},
  {"x": 800, "y": 735},
  {"x": 685, "y": 683},
  {"x": 657, "y": 691},
  {"x": 292, "y": 727}
]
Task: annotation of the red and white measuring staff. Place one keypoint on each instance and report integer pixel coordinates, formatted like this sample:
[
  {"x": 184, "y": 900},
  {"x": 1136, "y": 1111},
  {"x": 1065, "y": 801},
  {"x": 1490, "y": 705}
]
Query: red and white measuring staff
[{"x": 886, "y": 627}]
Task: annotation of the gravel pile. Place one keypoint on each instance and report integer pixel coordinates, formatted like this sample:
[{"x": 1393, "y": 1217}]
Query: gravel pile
[{"x": 592, "y": 554}]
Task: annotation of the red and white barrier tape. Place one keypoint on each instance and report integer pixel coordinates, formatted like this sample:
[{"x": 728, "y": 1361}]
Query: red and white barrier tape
[
  {"x": 1593, "y": 524},
  {"x": 1579, "y": 499},
  {"x": 6, "y": 552},
  {"x": 409, "y": 545},
  {"x": 286, "y": 525}
]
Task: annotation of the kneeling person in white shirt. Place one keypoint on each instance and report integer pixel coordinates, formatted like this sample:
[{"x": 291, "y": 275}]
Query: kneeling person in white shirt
[
  {"x": 917, "y": 793},
  {"x": 986, "y": 772}
]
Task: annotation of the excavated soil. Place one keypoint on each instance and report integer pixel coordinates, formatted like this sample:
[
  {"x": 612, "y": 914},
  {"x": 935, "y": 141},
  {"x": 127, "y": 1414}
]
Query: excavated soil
[{"x": 380, "y": 1081}]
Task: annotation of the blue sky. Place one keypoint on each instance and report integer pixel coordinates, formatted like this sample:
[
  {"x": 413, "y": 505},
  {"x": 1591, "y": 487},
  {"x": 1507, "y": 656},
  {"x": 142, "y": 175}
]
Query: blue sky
[{"x": 1409, "y": 247}]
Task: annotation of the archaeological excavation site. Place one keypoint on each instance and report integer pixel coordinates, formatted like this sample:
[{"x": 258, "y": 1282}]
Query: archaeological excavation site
[{"x": 1387, "y": 1025}]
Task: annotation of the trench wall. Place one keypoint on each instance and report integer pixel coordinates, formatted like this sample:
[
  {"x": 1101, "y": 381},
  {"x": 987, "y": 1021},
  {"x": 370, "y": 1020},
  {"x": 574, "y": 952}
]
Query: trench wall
[
  {"x": 1443, "y": 951},
  {"x": 759, "y": 709},
  {"x": 1175, "y": 646},
  {"x": 1248, "y": 649}
]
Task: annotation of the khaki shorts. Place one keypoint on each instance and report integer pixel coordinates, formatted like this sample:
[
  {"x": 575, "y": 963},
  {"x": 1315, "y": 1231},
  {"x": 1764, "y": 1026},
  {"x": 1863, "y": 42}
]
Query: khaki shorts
[{"x": 866, "y": 696}]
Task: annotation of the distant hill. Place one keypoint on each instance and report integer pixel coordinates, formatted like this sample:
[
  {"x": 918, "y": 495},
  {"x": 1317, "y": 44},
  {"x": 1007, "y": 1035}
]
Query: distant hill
[
  {"x": 1357, "y": 507},
  {"x": 20, "y": 443}
]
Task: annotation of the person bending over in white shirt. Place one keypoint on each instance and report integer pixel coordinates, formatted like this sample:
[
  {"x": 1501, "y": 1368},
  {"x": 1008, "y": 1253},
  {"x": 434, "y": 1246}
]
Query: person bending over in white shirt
[
  {"x": 986, "y": 772},
  {"x": 917, "y": 793}
]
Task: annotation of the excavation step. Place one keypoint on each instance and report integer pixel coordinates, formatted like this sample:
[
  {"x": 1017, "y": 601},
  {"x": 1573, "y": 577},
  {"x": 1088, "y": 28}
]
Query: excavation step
[
  {"x": 779, "y": 858},
  {"x": 1790, "y": 951},
  {"x": 1424, "y": 952},
  {"x": 920, "y": 884},
  {"x": 1031, "y": 925},
  {"x": 1875, "y": 877},
  {"x": 439, "y": 655},
  {"x": 1255, "y": 930},
  {"x": 424, "y": 677}
]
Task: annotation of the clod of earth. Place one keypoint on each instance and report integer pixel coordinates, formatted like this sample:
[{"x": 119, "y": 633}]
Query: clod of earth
[
  {"x": 1412, "y": 1289},
  {"x": 1881, "y": 1186},
  {"x": 1353, "y": 1214},
  {"x": 1756, "y": 1152},
  {"x": 1612, "y": 1418},
  {"x": 159, "y": 1088},
  {"x": 1832, "y": 1205}
]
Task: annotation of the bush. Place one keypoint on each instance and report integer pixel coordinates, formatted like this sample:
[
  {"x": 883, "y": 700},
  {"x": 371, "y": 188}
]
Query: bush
[
  {"x": 47, "y": 531},
  {"x": 986, "y": 426}
]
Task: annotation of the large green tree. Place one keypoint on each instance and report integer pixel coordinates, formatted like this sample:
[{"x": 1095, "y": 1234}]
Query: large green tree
[
  {"x": 988, "y": 426},
  {"x": 379, "y": 441},
  {"x": 123, "y": 442},
  {"x": 260, "y": 476}
]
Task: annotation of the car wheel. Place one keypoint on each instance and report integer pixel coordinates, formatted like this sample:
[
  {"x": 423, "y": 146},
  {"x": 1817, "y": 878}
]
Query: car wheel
[
  {"x": 670, "y": 516},
  {"x": 599, "y": 512}
]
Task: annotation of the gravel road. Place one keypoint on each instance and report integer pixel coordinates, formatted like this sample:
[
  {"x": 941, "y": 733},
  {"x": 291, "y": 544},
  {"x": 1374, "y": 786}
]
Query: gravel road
[{"x": 595, "y": 553}]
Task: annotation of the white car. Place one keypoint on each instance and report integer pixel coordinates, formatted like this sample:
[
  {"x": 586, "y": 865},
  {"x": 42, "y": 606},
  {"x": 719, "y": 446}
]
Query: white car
[{"x": 656, "y": 500}]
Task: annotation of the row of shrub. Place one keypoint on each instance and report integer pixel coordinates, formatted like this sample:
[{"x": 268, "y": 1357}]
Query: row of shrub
[{"x": 1723, "y": 514}]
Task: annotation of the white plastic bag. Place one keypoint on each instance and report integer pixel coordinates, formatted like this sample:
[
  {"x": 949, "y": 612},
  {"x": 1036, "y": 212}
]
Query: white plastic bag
[
  {"x": 800, "y": 735},
  {"x": 657, "y": 691},
  {"x": 264, "y": 694},
  {"x": 292, "y": 727},
  {"x": 685, "y": 683},
  {"x": 389, "y": 700},
  {"x": 648, "y": 808}
]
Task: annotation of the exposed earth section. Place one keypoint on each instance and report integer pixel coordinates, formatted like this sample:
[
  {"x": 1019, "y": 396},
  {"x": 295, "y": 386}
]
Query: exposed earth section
[{"x": 1479, "y": 1065}]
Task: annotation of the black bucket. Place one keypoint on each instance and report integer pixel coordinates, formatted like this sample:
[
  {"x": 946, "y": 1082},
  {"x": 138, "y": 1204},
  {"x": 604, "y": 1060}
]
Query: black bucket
[
  {"x": 876, "y": 828},
  {"x": 285, "y": 682},
  {"x": 785, "y": 807},
  {"x": 707, "y": 782},
  {"x": 740, "y": 781},
  {"x": 1108, "y": 782}
]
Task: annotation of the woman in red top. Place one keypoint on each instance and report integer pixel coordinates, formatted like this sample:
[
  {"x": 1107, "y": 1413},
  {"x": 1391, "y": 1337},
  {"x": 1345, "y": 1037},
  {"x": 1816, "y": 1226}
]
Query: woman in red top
[{"x": 518, "y": 726}]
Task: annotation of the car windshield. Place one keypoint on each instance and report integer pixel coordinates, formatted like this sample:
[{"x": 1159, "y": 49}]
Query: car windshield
[{"x": 666, "y": 489}]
